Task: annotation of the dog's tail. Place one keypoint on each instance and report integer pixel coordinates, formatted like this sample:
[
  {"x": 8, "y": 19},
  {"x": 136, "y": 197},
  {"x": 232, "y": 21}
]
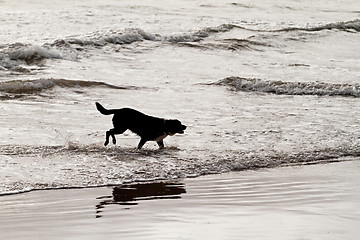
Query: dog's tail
[{"x": 104, "y": 110}]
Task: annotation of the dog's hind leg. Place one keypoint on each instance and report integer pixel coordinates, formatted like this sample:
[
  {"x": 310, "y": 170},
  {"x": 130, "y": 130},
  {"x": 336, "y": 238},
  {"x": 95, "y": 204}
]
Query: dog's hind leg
[
  {"x": 141, "y": 143},
  {"x": 113, "y": 138},
  {"x": 108, "y": 134},
  {"x": 161, "y": 144},
  {"x": 112, "y": 133}
]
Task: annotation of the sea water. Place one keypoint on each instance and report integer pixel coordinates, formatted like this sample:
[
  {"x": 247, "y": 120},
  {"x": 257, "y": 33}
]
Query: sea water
[
  {"x": 299, "y": 202},
  {"x": 259, "y": 84}
]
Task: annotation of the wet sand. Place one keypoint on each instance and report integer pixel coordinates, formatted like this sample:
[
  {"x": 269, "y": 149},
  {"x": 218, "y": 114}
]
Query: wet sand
[{"x": 300, "y": 202}]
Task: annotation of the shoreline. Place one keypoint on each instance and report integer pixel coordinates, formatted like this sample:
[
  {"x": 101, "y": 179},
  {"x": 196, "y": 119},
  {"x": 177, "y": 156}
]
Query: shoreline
[
  {"x": 312, "y": 201},
  {"x": 285, "y": 165}
]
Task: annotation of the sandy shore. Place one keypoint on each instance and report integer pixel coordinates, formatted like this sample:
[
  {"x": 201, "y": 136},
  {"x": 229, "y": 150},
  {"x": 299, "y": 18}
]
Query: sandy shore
[{"x": 303, "y": 202}]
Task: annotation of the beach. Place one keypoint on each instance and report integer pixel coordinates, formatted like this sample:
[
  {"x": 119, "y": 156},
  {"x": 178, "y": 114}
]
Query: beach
[
  {"x": 269, "y": 92},
  {"x": 301, "y": 202}
]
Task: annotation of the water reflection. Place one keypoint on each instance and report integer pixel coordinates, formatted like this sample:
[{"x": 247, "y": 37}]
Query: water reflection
[{"x": 130, "y": 194}]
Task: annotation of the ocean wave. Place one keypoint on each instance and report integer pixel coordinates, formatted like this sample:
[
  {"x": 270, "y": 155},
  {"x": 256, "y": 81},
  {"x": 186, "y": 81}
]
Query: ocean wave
[
  {"x": 290, "y": 88},
  {"x": 33, "y": 53},
  {"x": 348, "y": 26},
  {"x": 230, "y": 44},
  {"x": 13, "y": 55},
  {"x": 100, "y": 39},
  {"x": 35, "y": 86},
  {"x": 199, "y": 35},
  {"x": 133, "y": 35},
  {"x": 80, "y": 165},
  {"x": 129, "y": 36}
]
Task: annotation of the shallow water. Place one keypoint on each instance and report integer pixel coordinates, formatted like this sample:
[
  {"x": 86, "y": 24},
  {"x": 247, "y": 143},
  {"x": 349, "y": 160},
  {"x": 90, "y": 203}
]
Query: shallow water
[
  {"x": 303, "y": 202},
  {"x": 258, "y": 85}
]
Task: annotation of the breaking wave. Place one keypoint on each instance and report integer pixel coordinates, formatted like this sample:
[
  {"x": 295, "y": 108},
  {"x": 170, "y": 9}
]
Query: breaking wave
[
  {"x": 33, "y": 53},
  {"x": 231, "y": 44},
  {"x": 188, "y": 39},
  {"x": 35, "y": 86},
  {"x": 100, "y": 39},
  {"x": 290, "y": 88},
  {"x": 349, "y": 26},
  {"x": 14, "y": 56},
  {"x": 129, "y": 36},
  {"x": 133, "y": 35}
]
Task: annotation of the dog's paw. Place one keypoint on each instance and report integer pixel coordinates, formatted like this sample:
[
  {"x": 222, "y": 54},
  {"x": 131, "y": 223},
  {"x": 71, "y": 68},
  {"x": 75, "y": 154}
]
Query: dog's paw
[
  {"x": 106, "y": 143},
  {"x": 114, "y": 141}
]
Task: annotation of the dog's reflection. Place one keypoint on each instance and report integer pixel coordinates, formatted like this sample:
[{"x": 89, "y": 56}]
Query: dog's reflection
[{"x": 131, "y": 194}]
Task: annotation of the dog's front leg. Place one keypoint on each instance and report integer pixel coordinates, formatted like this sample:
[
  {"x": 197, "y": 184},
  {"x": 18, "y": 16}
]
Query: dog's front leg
[{"x": 141, "y": 143}]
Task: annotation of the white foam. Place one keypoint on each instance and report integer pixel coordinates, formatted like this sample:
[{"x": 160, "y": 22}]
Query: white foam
[
  {"x": 291, "y": 88},
  {"x": 126, "y": 38},
  {"x": 33, "y": 52},
  {"x": 32, "y": 86},
  {"x": 79, "y": 165}
]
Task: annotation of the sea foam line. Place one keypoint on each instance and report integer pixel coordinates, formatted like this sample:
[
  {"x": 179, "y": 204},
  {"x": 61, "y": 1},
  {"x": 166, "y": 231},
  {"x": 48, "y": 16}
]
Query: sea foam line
[
  {"x": 349, "y": 26},
  {"x": 34, "y": 86},
  {"x": 290, "y": 88},
  {"x": 95, "y": 166}
]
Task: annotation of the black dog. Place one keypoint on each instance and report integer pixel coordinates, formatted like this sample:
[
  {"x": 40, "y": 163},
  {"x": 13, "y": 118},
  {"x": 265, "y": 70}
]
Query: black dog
[{"x": 147, "y": 127}]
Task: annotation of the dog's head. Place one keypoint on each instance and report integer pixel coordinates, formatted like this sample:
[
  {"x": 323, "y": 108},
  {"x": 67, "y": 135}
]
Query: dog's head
[{"x": 174, "y": 126}]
